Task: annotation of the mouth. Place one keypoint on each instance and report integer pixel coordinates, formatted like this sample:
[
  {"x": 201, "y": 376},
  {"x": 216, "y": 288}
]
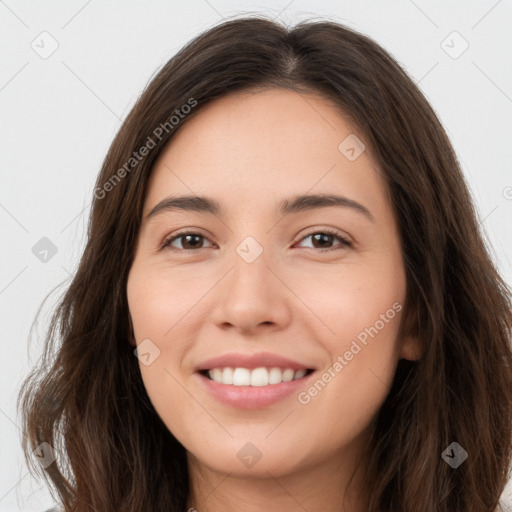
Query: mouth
[
  {"x": 255, "y": 377},
  {"x": 257, "y": 388},
  {"x": 252, "y": 380}
]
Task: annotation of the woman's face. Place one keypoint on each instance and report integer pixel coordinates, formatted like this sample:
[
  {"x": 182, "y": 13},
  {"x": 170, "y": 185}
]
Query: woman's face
[{"x": 263, "y": 282}]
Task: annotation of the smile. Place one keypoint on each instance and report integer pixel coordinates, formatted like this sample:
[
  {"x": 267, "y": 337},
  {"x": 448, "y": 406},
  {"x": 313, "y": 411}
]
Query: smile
[{"x": 253, "y": 389}]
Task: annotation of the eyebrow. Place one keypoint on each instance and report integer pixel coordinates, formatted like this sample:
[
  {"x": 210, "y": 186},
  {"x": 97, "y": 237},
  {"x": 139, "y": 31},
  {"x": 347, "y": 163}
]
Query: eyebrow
[{"x": 286, "y": 206}]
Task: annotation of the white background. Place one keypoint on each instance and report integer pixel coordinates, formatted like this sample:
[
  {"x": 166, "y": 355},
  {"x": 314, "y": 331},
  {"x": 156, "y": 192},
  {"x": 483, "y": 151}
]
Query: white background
[{"x": 59, "y": 115}]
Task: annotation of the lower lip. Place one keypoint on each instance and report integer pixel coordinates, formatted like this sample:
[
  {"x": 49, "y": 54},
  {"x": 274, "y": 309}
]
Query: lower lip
[{"x": 252, "y": 397}]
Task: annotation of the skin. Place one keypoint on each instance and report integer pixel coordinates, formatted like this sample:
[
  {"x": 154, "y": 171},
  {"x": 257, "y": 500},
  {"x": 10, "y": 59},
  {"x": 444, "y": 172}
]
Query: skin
[{"x": 301, "y": 300}]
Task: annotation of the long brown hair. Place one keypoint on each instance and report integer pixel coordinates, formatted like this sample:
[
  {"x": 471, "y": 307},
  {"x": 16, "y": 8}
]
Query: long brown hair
[{"x": 86, "y": 398}]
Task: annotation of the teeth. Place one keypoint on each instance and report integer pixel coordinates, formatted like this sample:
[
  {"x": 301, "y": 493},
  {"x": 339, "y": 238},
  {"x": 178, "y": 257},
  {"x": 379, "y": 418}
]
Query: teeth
[
  {"x": 256, "y": 377},
  {"x": 299, "y": 374},
  {"x": 275, "y": 376},
  {"x": 259, "y": 377},
  {"x": 241, "y": 377}
]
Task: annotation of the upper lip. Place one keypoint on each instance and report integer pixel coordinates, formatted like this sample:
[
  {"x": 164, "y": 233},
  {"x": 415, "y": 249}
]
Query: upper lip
[{"x": 251, "y": 361}]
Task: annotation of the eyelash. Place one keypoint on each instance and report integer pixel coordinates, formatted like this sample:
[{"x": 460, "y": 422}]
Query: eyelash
[{"x": 343, "y": 241}]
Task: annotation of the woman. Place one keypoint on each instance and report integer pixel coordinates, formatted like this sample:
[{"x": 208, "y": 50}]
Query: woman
[{"x": 282, "y": 235}]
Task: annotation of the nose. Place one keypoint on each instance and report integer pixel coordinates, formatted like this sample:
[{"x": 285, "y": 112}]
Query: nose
[{"x": 252, "y": 297}]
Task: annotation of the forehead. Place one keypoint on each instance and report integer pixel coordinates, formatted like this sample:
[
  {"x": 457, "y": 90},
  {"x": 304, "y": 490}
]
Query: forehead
[{"x": 267, "y": 144}]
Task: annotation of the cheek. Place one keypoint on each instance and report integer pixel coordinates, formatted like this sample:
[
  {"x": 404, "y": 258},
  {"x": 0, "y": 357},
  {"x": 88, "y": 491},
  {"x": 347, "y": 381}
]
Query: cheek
[
  {"x": 352, "y": 301},
  {"x": 161, "y": 303},
  {"x": 162, "y": 300},
  {"x": 157, "y": 312},
  {"x": 358, "y": 311}
]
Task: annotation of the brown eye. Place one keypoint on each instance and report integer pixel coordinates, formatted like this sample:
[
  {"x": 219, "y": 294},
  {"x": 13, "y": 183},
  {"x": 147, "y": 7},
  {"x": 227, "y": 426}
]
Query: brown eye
[
  {"x": 189, "y": 241},
  {"x": 324, "y": 239}
]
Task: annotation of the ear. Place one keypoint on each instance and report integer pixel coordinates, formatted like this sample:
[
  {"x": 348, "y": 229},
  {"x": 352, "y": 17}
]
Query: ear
[
  {"x": 411, "y": 349},
  {"x": 412, "y": 344}
]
